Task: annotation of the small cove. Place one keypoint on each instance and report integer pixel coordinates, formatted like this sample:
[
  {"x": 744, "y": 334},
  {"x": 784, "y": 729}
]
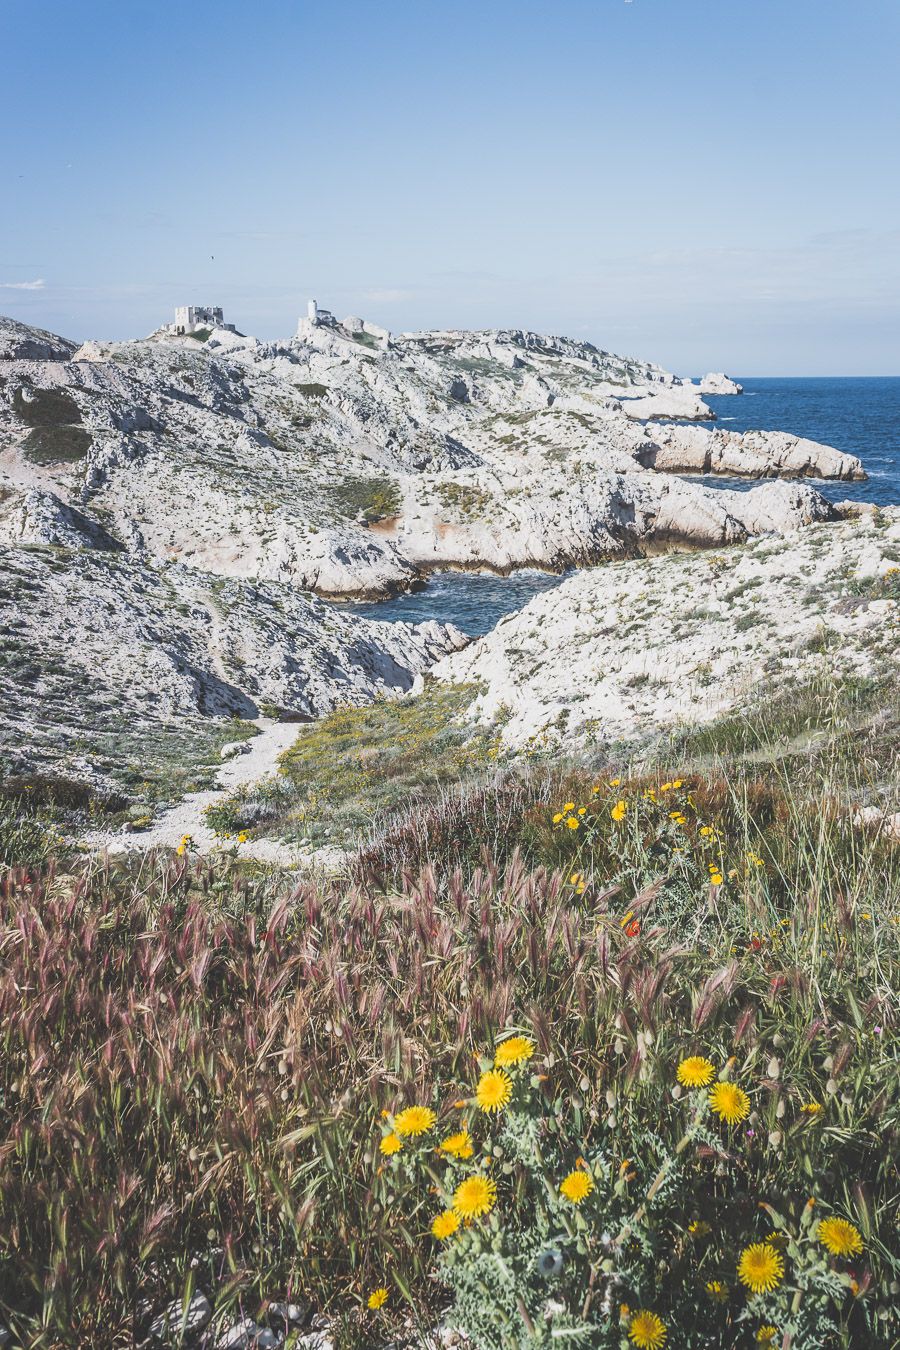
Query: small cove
[{"x": 858, "y": 415}]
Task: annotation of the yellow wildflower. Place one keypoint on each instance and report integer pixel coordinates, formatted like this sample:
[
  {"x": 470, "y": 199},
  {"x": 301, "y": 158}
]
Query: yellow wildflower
[
  {"x": 766, "y": 1335},
  {"x": 811, "y": 1108},
  {"x": 444, "y": 1225},
  {"x": 494, "y": 1090},
  {"x": 717, "y": 1291},
  {"x": 647, "y": 1331},
  {"x": 695, "y": 1072},
  {"x": 576, "y": 1187},
  {"x": 716, "y": 878},
  {"x": 516, "y": 1049},
  {"x": 414, "y": 1120},
  {"x": 378, "y": 1298},
  {"x": 458, "y": 1145},
  {"x": 729, "y": 1102},
  {"x": 573, "y": 822},
  {"x": 619, "y": 810},
  {"x": 391, "y": 1143},
  {"x": 475, "y": 1196},
  {"x": 840, "y": 1237},
  {"x": 760, "y": 1268}
]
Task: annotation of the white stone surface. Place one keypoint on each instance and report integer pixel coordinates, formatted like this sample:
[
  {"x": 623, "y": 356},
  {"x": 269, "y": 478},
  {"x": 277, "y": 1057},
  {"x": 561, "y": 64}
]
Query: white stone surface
[
  {"x": 716, "y": 382},
  {"x": 259, "y": 459},
  {"x": 631, "y": 648}
]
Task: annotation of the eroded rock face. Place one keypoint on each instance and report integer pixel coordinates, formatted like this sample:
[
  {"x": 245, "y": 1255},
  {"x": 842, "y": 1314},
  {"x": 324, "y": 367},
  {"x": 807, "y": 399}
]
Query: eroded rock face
[
  {"x": 20, "y": 342},
  {"x": 41, "y": 518},
  {"x": 103, "y": 642},
  {"x": 329, "y": 463},
  {"x": 623, "y": 651},
  {"x": 749, "y": 454}
]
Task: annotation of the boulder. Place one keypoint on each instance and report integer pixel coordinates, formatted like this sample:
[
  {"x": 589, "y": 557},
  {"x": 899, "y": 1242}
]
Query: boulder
[
  {"x": 718, "y": 383},
  {"x": 748, "y": 454}
]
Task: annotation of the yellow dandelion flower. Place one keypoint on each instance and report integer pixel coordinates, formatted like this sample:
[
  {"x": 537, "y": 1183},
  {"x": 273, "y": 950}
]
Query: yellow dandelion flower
[
  {"x": 391, "y": 1143},
  {"x": 811, "y": 1108},
  {"x": 475, "y": 1196},
  {"x": 695, "y": 1072},
  {"x": 377, "y": 1298},
  {"x": 557, "y": 818},
  {"x": 576, "y": 1187},
  {"x": 515, "y": 1050},
  {"x": 444, "y": 1225},
  {"x": 568, "y": 806},
  {"x": 647, "y": 1331},
  {"x": 458, "y": 1145},
  {"x": 574, "y": 878},
  {"x": 666, "y": 787},
  {"x": 717, "y": 1291},
  {"x": 716, "y": 878},
  {"x": 614, "y": 782},
  {"x": 839, "y": 1236},
  {"x": 729, "y": 1102},
  {"x": 699, "y": 1228},
  {"x": 494, "y": 1090},
  {"x": 766, "y": 1335},
  {"x": 619, "y": 810},
  {"x": 573, "y": 822},
  {"x": 677, "y": 784},
  {"x": 760, "y": 1268},
  {"x": 414, "y": 1120}
]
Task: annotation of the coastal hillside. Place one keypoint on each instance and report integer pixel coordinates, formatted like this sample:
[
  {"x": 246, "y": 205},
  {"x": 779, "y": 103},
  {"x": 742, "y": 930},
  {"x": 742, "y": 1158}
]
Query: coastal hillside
[
  {"x": 351, "y": 465},
  {"x": 169, "y": 506}
]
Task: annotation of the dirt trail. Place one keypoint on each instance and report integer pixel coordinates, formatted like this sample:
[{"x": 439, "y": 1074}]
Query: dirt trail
[{"x": 188, "y": 817}]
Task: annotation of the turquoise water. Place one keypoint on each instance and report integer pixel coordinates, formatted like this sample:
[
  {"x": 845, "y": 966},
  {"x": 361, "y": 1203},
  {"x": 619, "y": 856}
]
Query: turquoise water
[{"x": 861, "y": 416}]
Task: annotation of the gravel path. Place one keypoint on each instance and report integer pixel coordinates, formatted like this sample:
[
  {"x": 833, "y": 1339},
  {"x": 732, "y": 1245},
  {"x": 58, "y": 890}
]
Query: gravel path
[{"x": 188, "y": 817}]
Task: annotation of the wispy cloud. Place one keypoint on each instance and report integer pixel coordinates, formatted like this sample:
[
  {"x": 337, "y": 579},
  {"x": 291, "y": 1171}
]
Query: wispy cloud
[{"x": 37, "y": 285}]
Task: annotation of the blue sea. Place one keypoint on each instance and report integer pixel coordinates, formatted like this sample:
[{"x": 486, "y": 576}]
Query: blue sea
[{"x": 860, "y": 416}]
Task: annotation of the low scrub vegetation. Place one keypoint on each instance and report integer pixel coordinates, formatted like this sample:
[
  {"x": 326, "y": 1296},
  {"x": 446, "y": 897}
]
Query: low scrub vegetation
[{"x": 359, "y": 763}]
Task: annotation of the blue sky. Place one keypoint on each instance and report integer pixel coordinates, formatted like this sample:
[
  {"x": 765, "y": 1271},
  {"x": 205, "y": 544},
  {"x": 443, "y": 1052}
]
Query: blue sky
[{"x": 705, "y": 183}]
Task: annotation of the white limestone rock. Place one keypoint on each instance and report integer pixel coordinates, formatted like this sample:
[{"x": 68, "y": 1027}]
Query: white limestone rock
[
  {"x": 112, "y": 643},
  {"x": 350, "y": 467},
  {"x": 176, "y": 1317},
  {"x": 41, "y": 518},
  {"x": 716, "y": 382},
  {"x": 749, "y": 454},
  {"x": 624, "y": 651},
  {"x": 21, "y": 342}
]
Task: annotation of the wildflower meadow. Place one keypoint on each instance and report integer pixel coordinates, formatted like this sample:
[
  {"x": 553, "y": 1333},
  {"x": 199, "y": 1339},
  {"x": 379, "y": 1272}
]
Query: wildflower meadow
[{"x": 620, "y": 1071}]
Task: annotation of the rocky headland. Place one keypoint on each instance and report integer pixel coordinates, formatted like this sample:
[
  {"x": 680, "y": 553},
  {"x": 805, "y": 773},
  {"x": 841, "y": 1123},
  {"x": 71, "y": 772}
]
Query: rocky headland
[{"x": 172, "y": 507}]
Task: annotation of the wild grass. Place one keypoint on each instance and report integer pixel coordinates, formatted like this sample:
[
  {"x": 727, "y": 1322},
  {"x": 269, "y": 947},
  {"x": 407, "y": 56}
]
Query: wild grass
[
  {"x": 195, "y": 1061},
  {"x": 357, "y": 763}
]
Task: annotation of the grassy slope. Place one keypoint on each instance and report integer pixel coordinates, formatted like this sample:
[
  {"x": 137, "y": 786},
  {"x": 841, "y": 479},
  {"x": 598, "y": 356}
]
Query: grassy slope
[{"x": 198, "y": 1057}]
